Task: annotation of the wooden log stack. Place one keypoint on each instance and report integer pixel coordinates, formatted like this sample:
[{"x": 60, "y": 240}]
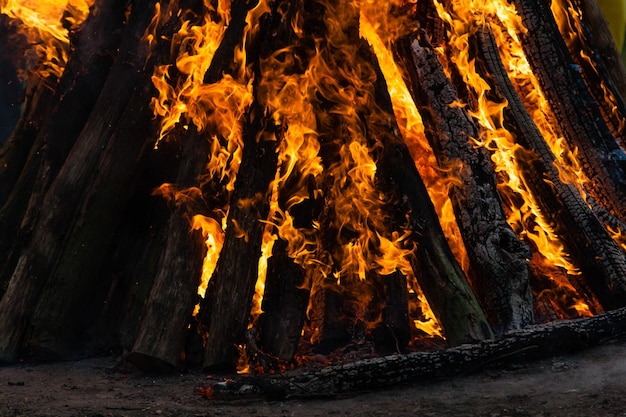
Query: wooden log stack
[{"x": 91, "y": 258}]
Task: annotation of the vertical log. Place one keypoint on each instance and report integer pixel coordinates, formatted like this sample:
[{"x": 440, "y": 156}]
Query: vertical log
[
  {"x": 592, "y": 48},
  {"x": 284, "y": 305},
  {"x": 76, "y": 286},
  {"x": 393, "y": 332},
  {"x": 438, "y": 273},
  {"x": 161, "y": 340},
  {"x": 602, "y": 160},
  {"x": 604, "y": 45},
  {"x": 61, "y": 202},
  {"x": 46, "y": 133},
  {"x": 498, "y": 259},
  {"x": 590, "y": 246},
  {"x": 229, "y": 294}
]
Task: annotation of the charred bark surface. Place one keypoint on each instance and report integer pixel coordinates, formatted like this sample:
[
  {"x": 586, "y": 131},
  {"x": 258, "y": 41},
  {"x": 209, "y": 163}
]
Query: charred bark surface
[
  {"x": 592, "y": 48},
  {"x": 602, "y": 160},
  {"x": 63, "y": 115},
  {"x": 498, "y": 259},
  {"x": 590, "y": 246},
  {"x": 531, "y": 342},
  {"x": 173, "y": 304},
  {"x": 229, "y": 294},
  {"x": 284, "y": 305}
]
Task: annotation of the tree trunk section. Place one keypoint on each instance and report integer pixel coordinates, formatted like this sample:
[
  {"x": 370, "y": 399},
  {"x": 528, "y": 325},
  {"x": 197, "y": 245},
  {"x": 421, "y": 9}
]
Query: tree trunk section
[{"x": 437, "y": 271}]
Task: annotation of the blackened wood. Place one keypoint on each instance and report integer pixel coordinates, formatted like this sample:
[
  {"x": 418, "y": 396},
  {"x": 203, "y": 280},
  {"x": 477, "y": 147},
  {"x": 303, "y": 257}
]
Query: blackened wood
[
  {"x": 14, "y": 169},
  {"x": 162, "y": 331},
  {"x": 590, "y": 246},
  {"x": 135, "y": 254},
  {"x": 284, "y": 305},
  {"x": 393, "y": 332},
  {"x": 533, "y": 342},
  {"x": 429, "y": 21},
  {"x": 229, "y": 294},
  {"x": 61, "y": 201},
  {"x": 602, "y": 160},
  {"x": 498, "y": 259},
  {"x": 603, "y": 44},
  {"x": 51, "y": 125},
  {"x": 328, "y": 318},
  {"x": 438, "y": 273},
  {"x": 74, "y": 294},
  {"x": 598, "y": 60},
  {"x": 15, "y": 151}
]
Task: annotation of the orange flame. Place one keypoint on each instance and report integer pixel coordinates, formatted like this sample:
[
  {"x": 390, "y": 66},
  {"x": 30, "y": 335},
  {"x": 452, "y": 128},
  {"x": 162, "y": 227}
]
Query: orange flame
[{"x": 46, "y": 25}]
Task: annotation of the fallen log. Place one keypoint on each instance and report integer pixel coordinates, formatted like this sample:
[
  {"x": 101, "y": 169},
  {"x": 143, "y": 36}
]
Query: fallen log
[{"x": 533, "y": 342}]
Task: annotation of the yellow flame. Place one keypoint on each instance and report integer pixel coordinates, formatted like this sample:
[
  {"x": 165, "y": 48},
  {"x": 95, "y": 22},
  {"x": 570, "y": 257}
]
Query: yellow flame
[{"x": 44, "y": 23}]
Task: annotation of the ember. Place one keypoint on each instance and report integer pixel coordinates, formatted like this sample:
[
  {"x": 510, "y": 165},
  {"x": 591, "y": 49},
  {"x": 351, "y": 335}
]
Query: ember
[{"x": 249, "y": 185}]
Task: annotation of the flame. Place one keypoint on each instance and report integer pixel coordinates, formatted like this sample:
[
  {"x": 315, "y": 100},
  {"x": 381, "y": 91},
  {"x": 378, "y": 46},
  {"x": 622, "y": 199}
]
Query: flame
[
  {"x": 46, "y": 25},
  {"x": 352, "y": 238},
  {"x": 216, "y": 110},
  {"x": 196, "y": 44},
  {"x": 465, "y": 19},
  {"x": 412, "y": 129}
]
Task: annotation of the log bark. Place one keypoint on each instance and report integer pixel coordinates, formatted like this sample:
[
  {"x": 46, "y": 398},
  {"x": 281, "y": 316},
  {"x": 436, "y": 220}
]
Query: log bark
[
  {"x": 590, "y": 246},
  {"x": 592, "y": 48},
  {"x": 60, "y": 203},
  {"x": 284, "y": 305},
  {"x": 603, "y": 45},
  {"x": 532, "y": 342},
  {"x": 393, "y": 333},
  {"x": 229, "y": 294},
  {"x": 498, "y": 259},
  {"x": 602, "y": 160},
  {"x": 46, "y": 133},
  {"x": 163, "y": 330},
  {"x": 438, "y": 273}
]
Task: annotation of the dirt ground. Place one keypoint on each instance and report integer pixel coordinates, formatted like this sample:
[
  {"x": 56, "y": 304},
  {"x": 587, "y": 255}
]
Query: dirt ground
[{"x": 588, "y": 383}]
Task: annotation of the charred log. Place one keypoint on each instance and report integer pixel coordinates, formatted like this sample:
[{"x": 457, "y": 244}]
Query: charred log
[
  {"x": 532, "y": 342},
  {"x": 435, "y": 267},
  {"x": 60, "y": 205},
  {"x": 602, "y": 160},
  {"x": 601, "y": 260},
  {"x": 498, "y": 260},
  {"x": 284, "y": 305}
]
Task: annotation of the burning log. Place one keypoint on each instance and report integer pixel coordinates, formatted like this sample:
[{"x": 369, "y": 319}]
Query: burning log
[
  {"x": 575, "y": 223},
  {"x": 578, "y": 115},
  {"x": 532, "y": 342},
  {"x": 493, "y": 249}
]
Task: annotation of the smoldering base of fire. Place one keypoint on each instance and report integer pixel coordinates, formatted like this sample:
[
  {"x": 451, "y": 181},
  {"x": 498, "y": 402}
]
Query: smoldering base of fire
[{"x": 531, "y": 343}]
